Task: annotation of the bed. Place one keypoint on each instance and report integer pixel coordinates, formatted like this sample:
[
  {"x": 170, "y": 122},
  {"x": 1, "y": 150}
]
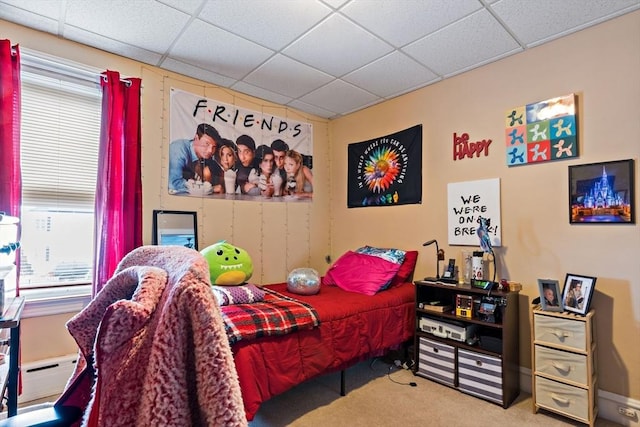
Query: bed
[{"x": 352, "y": 328}]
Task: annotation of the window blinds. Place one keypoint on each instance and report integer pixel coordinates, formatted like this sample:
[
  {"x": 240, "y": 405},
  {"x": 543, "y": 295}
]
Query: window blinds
[
  {"x": 59, "y": 149},
  {"x": 60, "y": 137}
]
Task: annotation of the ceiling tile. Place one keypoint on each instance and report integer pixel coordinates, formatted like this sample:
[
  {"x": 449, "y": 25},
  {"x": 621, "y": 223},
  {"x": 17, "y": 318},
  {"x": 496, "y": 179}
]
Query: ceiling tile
[
  {"x": 403, "y": 22},
  {"x": 389, "y": 76},
  {"x": 261, "y": 93},
  {"x": 197, "y": 72},
  {"x": 48, "y": 8},
  {"x": 270, "y": 23},
  {"x": 29, "y": 19},
  {"x": 351, "y": 97},
  {"x": 99, "y": 16},
  {"x": 463, "y": 45},
  {"x": 187, "y": 6},
  {"x": 113, "y": 46},
  {"x": 543, "y": 20},
  {"x": 335, "y": 3},
  {"x": 312, "y": 109},
  {"x": 287, "y": 77},
  {"x": 337, "y": 46},
  {"x": 217, "y": 50},
  {"x": 325, "y": 57}
]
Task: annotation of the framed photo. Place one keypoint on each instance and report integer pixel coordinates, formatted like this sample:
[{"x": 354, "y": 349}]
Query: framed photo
[
  {"x": 602, "y": 193},
  {"x": 577, "y": 293},
  {"x": 175, "y": 228},
  {"x": 550, "y": 295}
]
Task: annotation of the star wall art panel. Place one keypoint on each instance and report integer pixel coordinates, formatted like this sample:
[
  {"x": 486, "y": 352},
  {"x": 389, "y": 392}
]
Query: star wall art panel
[{"x": 542, "y": 132}]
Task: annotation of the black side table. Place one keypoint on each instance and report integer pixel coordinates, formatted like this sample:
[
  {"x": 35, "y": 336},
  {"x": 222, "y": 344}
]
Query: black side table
[{"x": 9, "y": 377}]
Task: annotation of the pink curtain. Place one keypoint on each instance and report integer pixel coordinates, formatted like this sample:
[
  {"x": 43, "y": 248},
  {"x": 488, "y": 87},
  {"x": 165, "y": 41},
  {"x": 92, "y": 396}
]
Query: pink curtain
[
  {"x": 10, "y": 173},
  {"x": 118, "y": 205}
]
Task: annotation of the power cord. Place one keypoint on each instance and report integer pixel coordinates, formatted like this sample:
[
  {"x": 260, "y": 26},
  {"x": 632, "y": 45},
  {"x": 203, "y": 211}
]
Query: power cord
[{"x": 398, "y": 365}]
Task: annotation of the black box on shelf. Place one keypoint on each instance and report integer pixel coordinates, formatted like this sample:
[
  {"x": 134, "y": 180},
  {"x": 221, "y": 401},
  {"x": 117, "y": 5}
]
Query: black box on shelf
[{"x": 489, "y": 343}]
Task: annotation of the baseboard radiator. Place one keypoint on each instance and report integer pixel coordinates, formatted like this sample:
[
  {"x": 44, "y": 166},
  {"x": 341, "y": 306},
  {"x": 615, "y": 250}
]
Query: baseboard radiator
[{"x": 44, "y": 378}]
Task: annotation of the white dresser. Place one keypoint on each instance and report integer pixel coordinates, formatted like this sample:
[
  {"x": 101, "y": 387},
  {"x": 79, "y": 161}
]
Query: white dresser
[{"x": 564, "y": 371}]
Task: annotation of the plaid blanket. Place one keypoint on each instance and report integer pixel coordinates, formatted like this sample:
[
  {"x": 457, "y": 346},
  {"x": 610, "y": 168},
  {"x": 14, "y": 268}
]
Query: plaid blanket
[{"x": 277, "y": 314}]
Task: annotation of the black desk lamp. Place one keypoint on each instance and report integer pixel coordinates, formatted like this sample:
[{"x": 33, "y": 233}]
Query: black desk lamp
[{"x": 439, "y": 256}]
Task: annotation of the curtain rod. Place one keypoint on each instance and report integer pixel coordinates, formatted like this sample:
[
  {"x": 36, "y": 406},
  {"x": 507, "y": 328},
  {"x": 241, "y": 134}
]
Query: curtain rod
[
  {"x": 125, "y": 81},
  {"x": 43, "y": 61}
]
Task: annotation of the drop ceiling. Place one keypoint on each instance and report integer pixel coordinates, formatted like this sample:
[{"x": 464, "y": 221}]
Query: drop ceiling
[{"x": 324, "y": 57}]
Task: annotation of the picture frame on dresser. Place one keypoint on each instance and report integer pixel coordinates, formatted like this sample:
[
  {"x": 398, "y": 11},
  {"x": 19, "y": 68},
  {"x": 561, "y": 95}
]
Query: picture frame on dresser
[
  {"x": 550, "y": 295},
  {"x": 577, "y": 293}
]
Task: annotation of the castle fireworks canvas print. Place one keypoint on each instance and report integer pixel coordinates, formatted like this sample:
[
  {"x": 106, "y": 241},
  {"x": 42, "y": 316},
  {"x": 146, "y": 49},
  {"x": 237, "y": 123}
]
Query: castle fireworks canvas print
[{"x": 602, "y": 193}]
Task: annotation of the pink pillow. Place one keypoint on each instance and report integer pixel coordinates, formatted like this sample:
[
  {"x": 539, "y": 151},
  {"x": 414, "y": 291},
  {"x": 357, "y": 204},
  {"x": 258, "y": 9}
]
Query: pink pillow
[
  {"x": 406, "y": 269},
  {"x": 365, "y": 274}
]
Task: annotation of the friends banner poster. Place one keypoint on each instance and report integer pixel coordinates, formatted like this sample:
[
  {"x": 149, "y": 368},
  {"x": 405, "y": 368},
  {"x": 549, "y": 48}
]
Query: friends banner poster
[
  {"x": 220, "y": 150},
  {"x": 386, "y": 171}
]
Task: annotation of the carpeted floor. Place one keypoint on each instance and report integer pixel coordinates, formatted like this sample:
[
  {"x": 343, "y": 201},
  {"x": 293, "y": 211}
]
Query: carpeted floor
[
  {"x": 375, "y": 397},
  {"x": 378, "y": 396}
]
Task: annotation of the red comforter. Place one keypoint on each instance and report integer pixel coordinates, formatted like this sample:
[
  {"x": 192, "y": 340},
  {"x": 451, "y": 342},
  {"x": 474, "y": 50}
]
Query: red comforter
[{"x": 353, "y": 327}]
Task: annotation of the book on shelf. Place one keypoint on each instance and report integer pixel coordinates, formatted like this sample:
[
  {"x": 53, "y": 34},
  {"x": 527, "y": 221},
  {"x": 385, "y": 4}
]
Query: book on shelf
[
  {"x": 436, "y": 306},
  {"x": 441, "y": 281}
]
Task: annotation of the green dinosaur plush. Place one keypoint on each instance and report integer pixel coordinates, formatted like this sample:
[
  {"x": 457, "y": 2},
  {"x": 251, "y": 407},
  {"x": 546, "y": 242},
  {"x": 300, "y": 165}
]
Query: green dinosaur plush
[{"x": 228, "y": 265}]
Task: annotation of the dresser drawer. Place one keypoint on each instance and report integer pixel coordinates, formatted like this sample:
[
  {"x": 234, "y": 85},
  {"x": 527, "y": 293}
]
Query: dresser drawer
[
  {"x": 558, "y": 331},
  {"x": 480, "y": 375},
  {"x": 562, "y": 365},
  {"x": 436, "y": 361},
  {"x": 562, "y": 398}
]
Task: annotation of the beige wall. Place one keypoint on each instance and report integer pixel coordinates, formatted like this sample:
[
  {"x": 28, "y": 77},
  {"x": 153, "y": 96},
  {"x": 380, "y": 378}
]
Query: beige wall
[
  {"x": 279, "y": 236},
  {"x": 46, "y": 337},
  {"x": 600, "y": 65}
]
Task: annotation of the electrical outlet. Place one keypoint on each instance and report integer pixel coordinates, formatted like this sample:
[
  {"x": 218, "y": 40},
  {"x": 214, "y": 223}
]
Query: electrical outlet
[{"x": 627, "y": 412}]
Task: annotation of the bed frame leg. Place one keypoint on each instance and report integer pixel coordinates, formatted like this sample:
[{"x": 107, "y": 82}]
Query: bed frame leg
[{"x": 342, "y": 383}]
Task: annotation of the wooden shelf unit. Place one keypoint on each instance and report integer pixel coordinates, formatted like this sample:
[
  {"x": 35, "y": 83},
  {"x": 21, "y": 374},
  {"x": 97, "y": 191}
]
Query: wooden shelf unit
[{"x": 488, "y": 369}]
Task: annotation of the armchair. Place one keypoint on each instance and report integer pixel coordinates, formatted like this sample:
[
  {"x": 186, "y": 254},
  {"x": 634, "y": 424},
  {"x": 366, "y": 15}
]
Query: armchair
[{"x": 156, "y": 339}]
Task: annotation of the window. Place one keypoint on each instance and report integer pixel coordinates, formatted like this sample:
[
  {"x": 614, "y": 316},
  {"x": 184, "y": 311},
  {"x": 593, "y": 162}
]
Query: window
[{"x": 60, "y": 135}]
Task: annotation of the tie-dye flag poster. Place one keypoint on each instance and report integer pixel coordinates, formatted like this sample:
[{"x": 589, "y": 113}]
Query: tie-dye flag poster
[
  {"x": 542, "y": 132},
  {"x": 386, "y": 171}
]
